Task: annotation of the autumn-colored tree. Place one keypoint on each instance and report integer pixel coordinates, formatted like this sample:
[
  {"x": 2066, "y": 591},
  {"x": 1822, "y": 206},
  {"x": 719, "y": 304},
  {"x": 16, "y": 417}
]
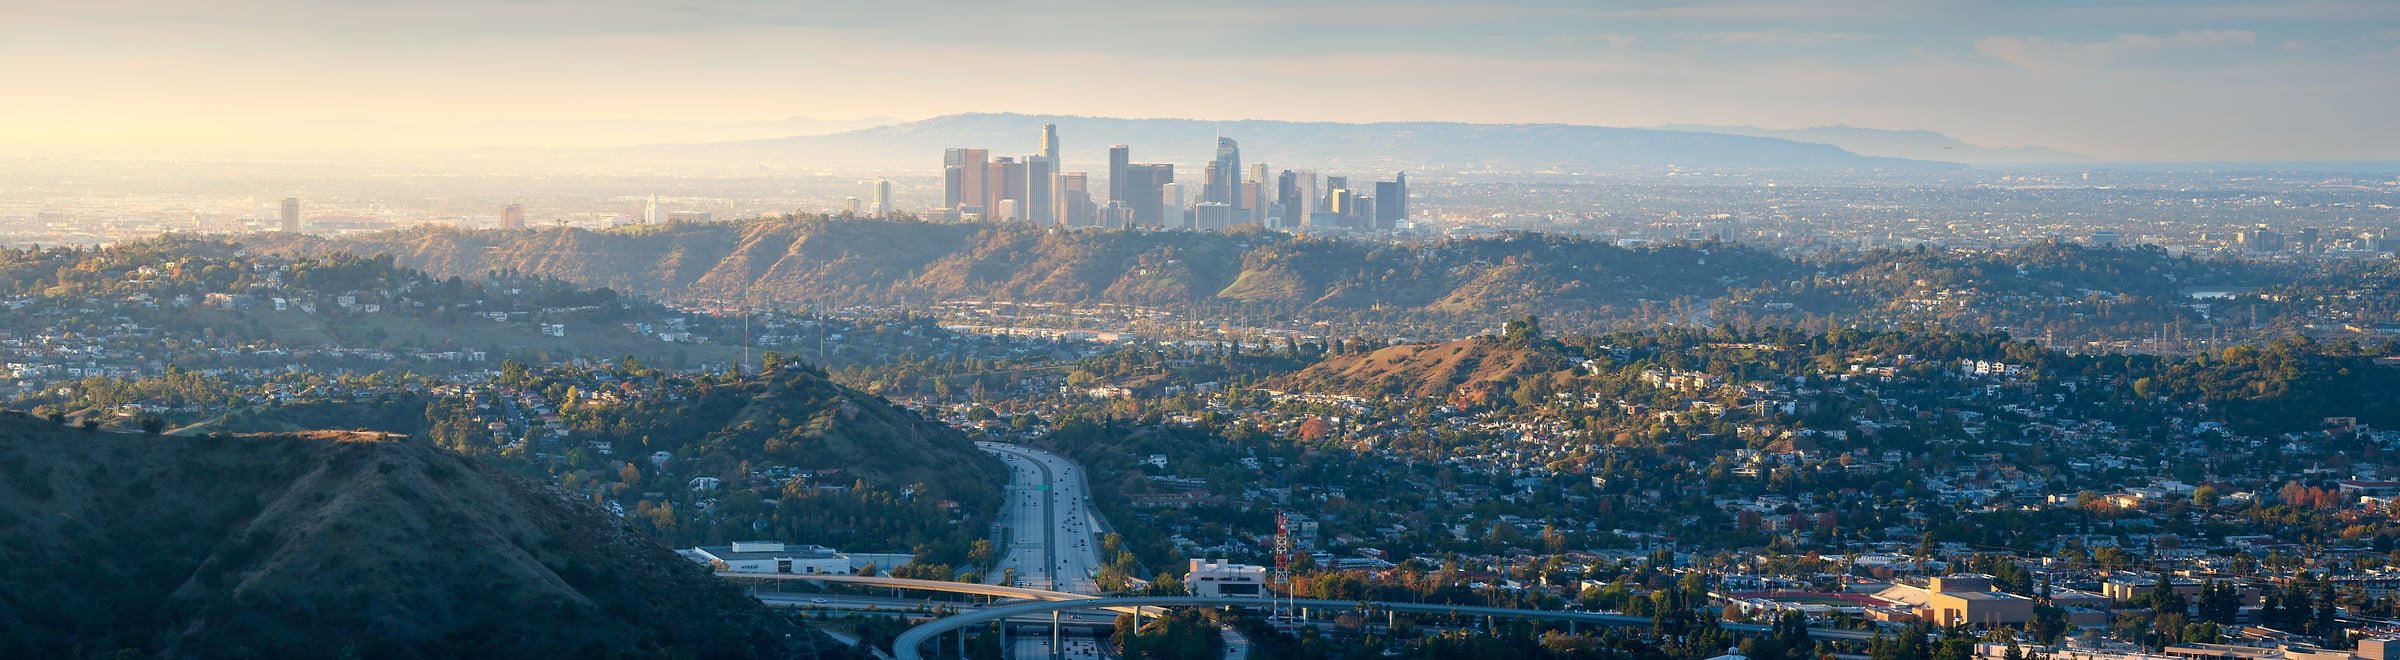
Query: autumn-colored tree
[{"x": 1316, "y": 428}]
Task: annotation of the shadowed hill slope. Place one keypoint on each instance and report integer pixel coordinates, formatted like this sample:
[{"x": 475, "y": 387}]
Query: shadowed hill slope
[{"x": 327, "y": 543}]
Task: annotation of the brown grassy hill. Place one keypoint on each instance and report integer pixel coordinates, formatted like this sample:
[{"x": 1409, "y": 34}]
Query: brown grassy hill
[
  {"x": 822, "y": 261},
  {"x": 321, "y": 544},
  {"x": 795, "y": 416},
  {"x": 1467, "y": 371}
]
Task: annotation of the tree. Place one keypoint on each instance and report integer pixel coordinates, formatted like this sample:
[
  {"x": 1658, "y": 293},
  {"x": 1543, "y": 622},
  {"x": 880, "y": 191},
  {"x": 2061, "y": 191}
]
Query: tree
[
  {"x": 2206, "y": 496},
  {"x": 630, "y": 474},
  {"x": 153, "y": 424},
  {"x": 1522, "y": 332}
]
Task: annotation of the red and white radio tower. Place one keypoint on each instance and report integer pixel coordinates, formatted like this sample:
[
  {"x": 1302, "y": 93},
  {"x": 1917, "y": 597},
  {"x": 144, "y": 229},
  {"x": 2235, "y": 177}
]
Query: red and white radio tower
[{"x": 1283, "y": 563}]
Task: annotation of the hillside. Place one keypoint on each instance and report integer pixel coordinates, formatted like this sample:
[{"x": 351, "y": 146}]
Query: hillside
[
  {"x": 1467, "y": 371},
  {"x": 794, "y": 416},
  {"x": 843, "y": 262},
  {"x": 1386, "y": 146},
  {"x": 326, "y": 544}
]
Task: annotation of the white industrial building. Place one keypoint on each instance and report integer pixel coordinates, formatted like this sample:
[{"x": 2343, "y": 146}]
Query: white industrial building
[
  {"x": 775, "y": 557},
  {"x": 1220, "y": 579}
]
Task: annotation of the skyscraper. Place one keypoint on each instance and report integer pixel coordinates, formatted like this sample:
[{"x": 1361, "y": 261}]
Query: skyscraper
[
  {"x": 1287, "y": 200},
  {"x": 1145, "y": 196},
  {"x": 650, "y": 211},
  {"x": 1041, "y": 186},
  {"x": 1304, "y": 184},
  {"x": 1257, "y": 192},
  {"x": 512, "y": 216},
  {"x": 1391, "y": 203},
  {"x": 1004, "y": 182},
  {"x": 1170, "y": 200},
  {"x": 1119, "y": 156},
  {"x": 1040, "y": 182},
  {"x": 883, "y": 198},
  {"x": 1227, "y": 187},
  {"x": 291, "y": 215},
  {"x": 1075, "y": 201},
  {"x": 966, "y": 188}
]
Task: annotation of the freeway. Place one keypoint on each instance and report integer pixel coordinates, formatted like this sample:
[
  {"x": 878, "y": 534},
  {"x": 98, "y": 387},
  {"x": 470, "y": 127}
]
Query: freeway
[
  {"x": 905, "y": 647},
  {"x": 1048, "y": 522},
  {"x": 1055, "y": 601}
]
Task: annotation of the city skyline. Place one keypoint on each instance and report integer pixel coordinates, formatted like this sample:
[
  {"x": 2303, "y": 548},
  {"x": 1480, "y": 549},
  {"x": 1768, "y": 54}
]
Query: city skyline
[
  {"x": 2141, "y": 80},
  {"x": 977, "y": 186}
]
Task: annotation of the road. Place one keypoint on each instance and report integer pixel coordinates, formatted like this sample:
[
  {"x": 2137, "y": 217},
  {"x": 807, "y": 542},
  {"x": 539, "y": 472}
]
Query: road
[
  {"x": 1047, "y": 523},
  {"x": 907, "y": 646}
]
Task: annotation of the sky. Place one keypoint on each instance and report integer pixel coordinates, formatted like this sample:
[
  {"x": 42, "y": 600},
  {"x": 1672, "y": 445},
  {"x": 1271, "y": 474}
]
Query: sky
[{"x": 2149, "y": 80}]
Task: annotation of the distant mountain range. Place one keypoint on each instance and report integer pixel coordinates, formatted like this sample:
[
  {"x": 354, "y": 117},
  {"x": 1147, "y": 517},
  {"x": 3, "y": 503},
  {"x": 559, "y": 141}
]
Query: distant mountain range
[
  {"x": 1355, "y": 149},
  {"x": 1918, "y": 145}
]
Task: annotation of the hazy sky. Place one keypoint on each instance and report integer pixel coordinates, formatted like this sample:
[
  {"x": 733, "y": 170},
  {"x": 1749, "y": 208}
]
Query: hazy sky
[{"x": 2129, "y": 79}]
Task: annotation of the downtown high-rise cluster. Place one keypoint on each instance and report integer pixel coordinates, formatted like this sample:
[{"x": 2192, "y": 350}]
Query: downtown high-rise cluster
[{"x": 976, "y": 186}]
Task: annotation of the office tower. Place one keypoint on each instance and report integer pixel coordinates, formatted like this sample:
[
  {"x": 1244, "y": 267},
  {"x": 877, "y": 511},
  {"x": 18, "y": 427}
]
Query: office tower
[
  {"x": 1210, "y": 180},
  {"x": 1256, "y": 193},
  {"x": 954, "y": 185},
  {"x": 291, "y": 215},
  {"x": 1212, "y": 216},
  {"x": 1225, "y": 188},
  {"x": 850, "y": 206},
  {"x": 1304, "y": 184},
  {"x": 1040, "y": 182},
  {"x": 1119, "y": 156},
  {"x": 1391, "y": 203},
  {"x": 1075, "y": 200},
  {"x": 650, "y": 211},
  {"x": 883, "y": 198},
  {"x": 966, "y": 188},
  {"x": 1254, "y": 203},
  {"x": 1041, "y": 179},
  {"x": 512, "y": 216},
  {"x": 1004, "y": 181},
  {"x": 1144, "y": 201},
  {"x": 1287, "y": 200},
  {"x": 1170, "y": 198}
]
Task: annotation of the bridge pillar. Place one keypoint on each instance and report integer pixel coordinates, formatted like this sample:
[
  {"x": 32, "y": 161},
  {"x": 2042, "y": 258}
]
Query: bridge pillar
[{"x": 1055, "y": 651}]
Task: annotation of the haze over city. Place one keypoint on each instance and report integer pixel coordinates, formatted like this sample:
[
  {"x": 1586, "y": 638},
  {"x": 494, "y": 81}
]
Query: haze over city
[
  {"x": 2142, "y": 80},
  {"x": 1237, "y": 330}
]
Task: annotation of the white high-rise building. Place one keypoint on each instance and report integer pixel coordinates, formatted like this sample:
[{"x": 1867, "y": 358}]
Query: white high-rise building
[
  {"x": 650, "y": 211},
  {"x": 883, "y": 198},
  {"x": 1043, "y": 192}
]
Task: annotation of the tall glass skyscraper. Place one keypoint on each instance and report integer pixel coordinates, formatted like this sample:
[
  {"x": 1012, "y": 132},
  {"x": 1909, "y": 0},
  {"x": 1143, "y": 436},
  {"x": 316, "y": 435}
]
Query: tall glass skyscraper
[{"x": 1227, "y": 188}]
